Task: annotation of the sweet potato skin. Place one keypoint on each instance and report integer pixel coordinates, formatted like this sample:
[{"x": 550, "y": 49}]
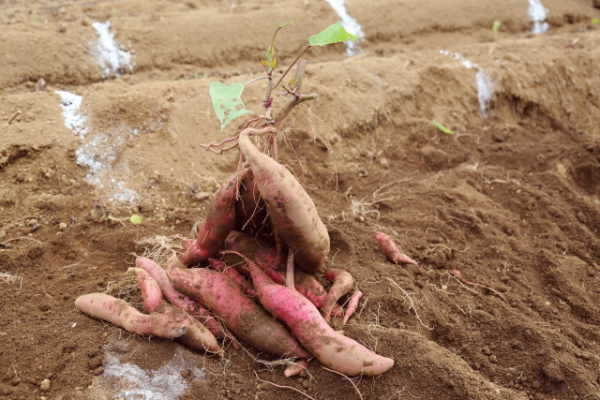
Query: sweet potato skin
[
  {"x": 123, "y": 314},
  {"x": 197, "y": 336},
  {"x": 178, "y": 299},
  {"x": 264, "y": 254},
  {"x": 291, "y": 210},
  {"x": 343, "y": 282},
  {"x": 250, "y": 209},
  {"x": 331, "y": 348},
  {"x": 218, "y": 222},
  {"x": 246, "y": 319},
  {"x": 388, "y": 247},
  {"x": 352, "y": 306}
]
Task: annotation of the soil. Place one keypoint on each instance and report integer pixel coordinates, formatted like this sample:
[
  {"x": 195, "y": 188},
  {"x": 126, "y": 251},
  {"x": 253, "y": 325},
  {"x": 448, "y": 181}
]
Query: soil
[{"x": 511, "y": 199}]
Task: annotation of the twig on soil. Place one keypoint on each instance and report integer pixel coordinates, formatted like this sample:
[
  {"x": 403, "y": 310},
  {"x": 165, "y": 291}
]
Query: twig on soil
[
  {"x": 19, "y": 238},
  {"x": 283, "y": 387},
  {"x": 335, "y": 372},
  {"x": 412, "y": 304},
  {"x": 458, "y": 274},
  {"x": 13, "y": 117},
  {"x": 5, "y": 227}
]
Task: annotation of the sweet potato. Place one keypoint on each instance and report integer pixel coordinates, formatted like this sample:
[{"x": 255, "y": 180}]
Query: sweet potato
[
  {"x": 151, "y": 294},
  {"x": 246, "y": 319},
  {"x": 218, "y": 222},
  {"x": 352, "y": 306},
  {"x": 197, "y": 336},
  {"x": 388, "y": 247},
  {"x": 250, "y": 209},
  {"x": 233, "y": 273},
  {"x": 123, "y": 314},
  {"x": 263, "y": 253},
  {"x": 180, "y": 300},
  {"x": 291, "y": 210},
  {"x": 331, "y": 348},
  {"x": 343, "y": 282}
]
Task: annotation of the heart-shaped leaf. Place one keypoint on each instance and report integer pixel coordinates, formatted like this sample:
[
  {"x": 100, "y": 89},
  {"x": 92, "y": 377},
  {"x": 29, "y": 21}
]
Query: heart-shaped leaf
[
  {"x": 227, "y": 101},
  {"x": 333, "y": 34}
]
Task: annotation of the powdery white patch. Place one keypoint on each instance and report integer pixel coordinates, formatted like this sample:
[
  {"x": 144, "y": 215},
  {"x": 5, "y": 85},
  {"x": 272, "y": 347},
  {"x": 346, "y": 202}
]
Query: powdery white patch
[
  {"x": 70, "y": 106},
  {"x": 112, "y": 59},
  {"x": 100, "y": 155},
  {"x": 349, "y": 23},
  {"x": 124, "y": 380},
  {"x": 99, "y": 151},
  {"x": 485, "y": 90},
  {"x": 485, "y": 85},
  {"x": 539, "y": 15}
]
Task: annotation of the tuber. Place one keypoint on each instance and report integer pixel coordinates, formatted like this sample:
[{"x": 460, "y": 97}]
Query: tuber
[
  {"x": 123, "y": 314},
  {"x": 388, "y": 247},
  {"x": 291, "y": 210}
]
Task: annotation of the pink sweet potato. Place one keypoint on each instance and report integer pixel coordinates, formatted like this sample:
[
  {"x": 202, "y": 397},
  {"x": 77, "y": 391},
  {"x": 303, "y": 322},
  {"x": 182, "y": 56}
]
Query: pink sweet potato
[
  {"x": 180, "y": 300},
  {"x": 233, "y": 273},
  {"x": 246, "y": 319},
  {"x": 388, "y": 247},
  {"x": 343, "y": 282},
  {"x": 291, "y": 210},
  {"x": 218, "y": 222},
  {"x": 264, "y": 254},
  {"x": 250, "y": 209},
  {"x": 151, "y": 294},
  {"x": 197, "y": 336},
  {"x": 331, "y": 348},
  {"x": 352, "y": 305},
  {"x": 123, "y": 314}
]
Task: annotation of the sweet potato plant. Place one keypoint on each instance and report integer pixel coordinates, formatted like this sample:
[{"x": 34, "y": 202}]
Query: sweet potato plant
[{"x": 263, "y": 240}]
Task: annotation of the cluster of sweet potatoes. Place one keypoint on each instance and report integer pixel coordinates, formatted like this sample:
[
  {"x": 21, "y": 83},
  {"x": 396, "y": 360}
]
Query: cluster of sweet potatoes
[{"x": 255, "y": 258}]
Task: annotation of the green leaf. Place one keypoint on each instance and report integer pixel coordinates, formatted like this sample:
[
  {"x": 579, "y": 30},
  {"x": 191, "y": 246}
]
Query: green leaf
[
  {"x": 135, "y": 219},
  {"x": 595, "y": 21},
  {"x": 227, "y": 101},
  {"x": 333, "y": 34},
  {"x": 441, "y": 127},
  {"x": 285, "y": 24}
]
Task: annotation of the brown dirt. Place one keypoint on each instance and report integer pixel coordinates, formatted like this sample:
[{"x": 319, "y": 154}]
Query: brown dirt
[{"x": 512, "y": 200}]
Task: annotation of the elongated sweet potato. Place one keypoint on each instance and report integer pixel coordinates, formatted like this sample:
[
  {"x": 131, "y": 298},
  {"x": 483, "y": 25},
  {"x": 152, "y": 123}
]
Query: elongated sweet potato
[
  {"x": 197, "y": 336},
  {"x": 292, "y": 211},
  {"x": 343, "y": 282},
  {"x": 246, "y": 319},
  {"x": 123, "y": 314},
  {"x": 352, "y": 305},
  {"x": 264, "y": 254},
  {"x": 331, "y": 348},
  {"x": 388, "y": 247},
  {"x": 178, "y": 299},
  {"x": 250, "y": 209},
  {"x": 218, "y": 222}
]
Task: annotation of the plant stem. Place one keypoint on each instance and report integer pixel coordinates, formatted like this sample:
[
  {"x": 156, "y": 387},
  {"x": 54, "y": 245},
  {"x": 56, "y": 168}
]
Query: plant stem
[
  {"x": 291, "y": 65},
  {"x": 260, "y": 78}
]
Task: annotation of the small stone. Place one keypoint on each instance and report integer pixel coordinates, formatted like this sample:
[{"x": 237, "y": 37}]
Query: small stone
[
  {"x": 78, "y": 394},
  {"x": 185, "y": 373},
  {"x": 62, "y": 226},
  {"x": 306, "y": 384},
  {"x": 486, "y": 350},
  {"x": 200, "y": 196},
  {"x": 45, "y": 384},
  {"x": 493, "y": 359},
  {"x": 536, "y": 384},
  {"x": 98, "y": 371}
]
